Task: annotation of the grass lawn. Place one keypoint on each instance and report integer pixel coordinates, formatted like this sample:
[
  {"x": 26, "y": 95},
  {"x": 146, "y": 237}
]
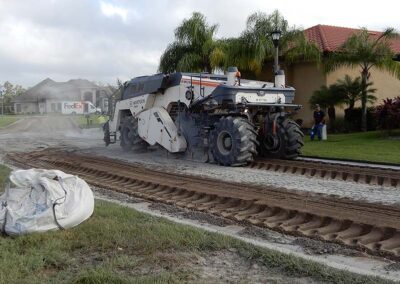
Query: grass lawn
[
  {"x": 4, "y": 172},
  {"x": 7, "y": 120},
  {"x": 95, "y": 120},
  {"x": 368, "y": 146}
]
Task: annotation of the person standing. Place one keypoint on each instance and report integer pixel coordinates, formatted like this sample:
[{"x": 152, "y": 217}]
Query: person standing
[{"x": 318, "y": 123}]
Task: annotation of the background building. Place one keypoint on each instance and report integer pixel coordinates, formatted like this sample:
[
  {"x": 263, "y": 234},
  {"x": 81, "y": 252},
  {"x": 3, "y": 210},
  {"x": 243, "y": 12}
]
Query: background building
[
  {"x": 308, "y": 77},
  {"x": 48, "y": 95}
]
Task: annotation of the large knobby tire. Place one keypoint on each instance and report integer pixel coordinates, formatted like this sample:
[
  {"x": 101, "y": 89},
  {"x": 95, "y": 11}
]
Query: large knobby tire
[
  {"x": 285, "y": 144},
  {"x": 130, "y": 139},
  {"x": 233, "y": 141}
]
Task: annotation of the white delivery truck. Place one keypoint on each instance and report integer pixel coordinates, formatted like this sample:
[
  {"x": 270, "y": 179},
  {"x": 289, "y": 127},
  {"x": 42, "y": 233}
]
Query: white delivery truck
[{"x": 83, "y": 107}]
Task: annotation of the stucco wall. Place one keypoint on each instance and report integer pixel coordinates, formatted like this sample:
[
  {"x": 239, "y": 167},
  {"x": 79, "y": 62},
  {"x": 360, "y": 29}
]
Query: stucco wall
[
  {"x": 308, "y": 77},
  {"x": 387, "y": 86},
  {"x": 305, "y": 78}
]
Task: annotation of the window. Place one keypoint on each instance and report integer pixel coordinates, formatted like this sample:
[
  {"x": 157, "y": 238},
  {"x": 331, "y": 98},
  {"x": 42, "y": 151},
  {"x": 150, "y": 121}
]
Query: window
[
  {"x": 141, "y": 87},
  {"x": 134, "y": 88}
]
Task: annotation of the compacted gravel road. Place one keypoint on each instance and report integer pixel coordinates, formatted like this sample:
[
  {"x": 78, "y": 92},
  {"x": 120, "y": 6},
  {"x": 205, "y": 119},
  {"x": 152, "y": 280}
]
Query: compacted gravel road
[{"x": 60, "y": 131}]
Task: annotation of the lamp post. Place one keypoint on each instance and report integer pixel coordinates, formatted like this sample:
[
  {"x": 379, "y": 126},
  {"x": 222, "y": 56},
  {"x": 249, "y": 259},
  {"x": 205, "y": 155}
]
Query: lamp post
[
  {"x": 276, "y": 36},
  {"x": 2, "y": 89}
]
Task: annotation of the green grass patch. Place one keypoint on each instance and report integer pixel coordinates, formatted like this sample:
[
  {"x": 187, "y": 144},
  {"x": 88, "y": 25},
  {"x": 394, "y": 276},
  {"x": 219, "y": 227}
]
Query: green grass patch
[
  {"x": 374, "y": 146},
  {"x": 4, "y": 172},
  {"x": 94, "y": 120},
  {"x": 6, "y": 120}
]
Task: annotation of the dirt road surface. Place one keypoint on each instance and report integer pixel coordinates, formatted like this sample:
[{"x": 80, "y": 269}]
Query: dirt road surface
[
  {"x": 61, "y": 131},
  {"x": 39, "y": 132}
]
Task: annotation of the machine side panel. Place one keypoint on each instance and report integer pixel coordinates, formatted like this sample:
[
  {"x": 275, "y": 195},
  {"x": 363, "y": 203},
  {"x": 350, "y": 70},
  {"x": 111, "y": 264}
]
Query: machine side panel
[
  {"x": 173, "y": 94},
  {"x": 156, "y": 126},
  {"x": 134, "y": 105}
]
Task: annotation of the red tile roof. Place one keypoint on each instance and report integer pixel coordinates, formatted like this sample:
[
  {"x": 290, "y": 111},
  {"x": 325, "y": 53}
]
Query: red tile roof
[{"x": 330, "y": 38}]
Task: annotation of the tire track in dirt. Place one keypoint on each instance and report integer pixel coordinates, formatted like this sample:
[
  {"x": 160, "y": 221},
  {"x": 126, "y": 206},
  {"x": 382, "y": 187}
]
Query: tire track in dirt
[{"x": 369, "y": 227}]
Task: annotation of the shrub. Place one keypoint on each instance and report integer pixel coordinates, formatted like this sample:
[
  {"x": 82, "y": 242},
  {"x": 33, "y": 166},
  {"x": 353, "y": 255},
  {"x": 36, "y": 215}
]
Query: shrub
[
  {"x": 339, "y": 125},
  {"x": 388, "y": 114},
  {"x": 353, "y": 118}
]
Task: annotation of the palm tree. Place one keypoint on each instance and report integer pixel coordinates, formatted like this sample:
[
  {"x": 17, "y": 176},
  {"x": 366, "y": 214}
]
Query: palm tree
[
  {"x": 328, "y": 98},
  {"x": 364, "y": 51},
  {"x": 352, "y": 90},
  {"x": 193, "y": 47},
  {"x": 255, "y": 47}
]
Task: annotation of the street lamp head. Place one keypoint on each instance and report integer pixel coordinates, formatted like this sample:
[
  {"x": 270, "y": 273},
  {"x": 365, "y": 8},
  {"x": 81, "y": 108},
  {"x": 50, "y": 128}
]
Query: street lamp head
[{"x": 276, "y": 36}]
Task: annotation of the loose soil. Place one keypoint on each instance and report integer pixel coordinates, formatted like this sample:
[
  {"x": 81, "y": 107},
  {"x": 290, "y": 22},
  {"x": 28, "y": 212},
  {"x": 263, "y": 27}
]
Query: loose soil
[
  {"x": 311, "y": 246},
  {"x": 191, "y": 214},
  {"x": 229, "y": 267}
]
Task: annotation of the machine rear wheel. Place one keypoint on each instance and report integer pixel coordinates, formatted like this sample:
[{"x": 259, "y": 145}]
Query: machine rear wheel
[
  {"x": 285, "y": 144},
  {"x": 233, "y": 141},
  {"x": 130, "y": 139}
]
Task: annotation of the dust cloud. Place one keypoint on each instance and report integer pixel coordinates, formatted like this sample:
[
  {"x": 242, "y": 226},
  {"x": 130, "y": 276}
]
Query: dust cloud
[{"x": 39, "y": 132}]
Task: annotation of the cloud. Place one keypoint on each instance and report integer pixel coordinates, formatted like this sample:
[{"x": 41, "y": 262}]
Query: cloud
[
  {"x": 111, "y": 10},
  {"x": 103, "y": 40}
]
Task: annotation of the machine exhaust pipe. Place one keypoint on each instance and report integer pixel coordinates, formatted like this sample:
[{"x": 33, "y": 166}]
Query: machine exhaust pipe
[
  {"x": 280, "y": 79},
  {"x": 232, "y": 74}
]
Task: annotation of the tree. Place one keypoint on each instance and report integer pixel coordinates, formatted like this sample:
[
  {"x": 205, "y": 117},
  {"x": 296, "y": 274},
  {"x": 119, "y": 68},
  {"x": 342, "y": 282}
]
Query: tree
[
  {"x": 114, "y": 95},
  {"x": 193, "y": 47},
  {"x": 352, "y": 90},
  {"x": 254, "y": 47},
  {"x": 328, "y": 98},
  {"x": 10, "y": 91},
  {"x": 363, "y": 50}
]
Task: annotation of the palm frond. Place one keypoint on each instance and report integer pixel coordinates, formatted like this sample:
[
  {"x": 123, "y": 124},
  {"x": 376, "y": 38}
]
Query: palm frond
[
  {"x": 171, "y": 56},
  {"x": 190, "y": 62},
  {"x": 218, "y": 58},
  {"x": 300, "y": 49},
  {"x": 194, "y": 43},
  {"x": 389, "y": 65}
]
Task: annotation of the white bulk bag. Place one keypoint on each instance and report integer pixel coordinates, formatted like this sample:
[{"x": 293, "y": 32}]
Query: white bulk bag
[{"x": 41, "y": 200}]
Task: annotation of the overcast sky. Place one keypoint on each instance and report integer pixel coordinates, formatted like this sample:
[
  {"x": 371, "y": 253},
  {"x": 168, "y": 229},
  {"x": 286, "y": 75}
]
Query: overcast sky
[{"x": 102, "y": 40}]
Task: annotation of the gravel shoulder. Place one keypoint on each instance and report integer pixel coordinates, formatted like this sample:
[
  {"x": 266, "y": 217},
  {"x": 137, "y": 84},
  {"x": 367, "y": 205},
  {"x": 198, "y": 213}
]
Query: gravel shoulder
[{"x": 159, "y": 159}]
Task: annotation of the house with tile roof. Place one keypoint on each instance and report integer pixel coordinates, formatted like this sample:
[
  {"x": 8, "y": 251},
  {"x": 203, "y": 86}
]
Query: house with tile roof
[
  {"x": 307, "y": 77},
  {"x": 47, "y": 96}
]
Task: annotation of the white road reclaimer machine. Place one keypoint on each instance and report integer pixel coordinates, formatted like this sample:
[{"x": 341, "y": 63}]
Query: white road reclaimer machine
[{"x": 220, "y": 118}]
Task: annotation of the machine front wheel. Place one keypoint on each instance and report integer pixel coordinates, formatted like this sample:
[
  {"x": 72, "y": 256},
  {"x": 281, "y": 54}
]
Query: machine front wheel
[{"x": 233, "y": 141}]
